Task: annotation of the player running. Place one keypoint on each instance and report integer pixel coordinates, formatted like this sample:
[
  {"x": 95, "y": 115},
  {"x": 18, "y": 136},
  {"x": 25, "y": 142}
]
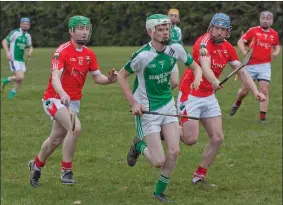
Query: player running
[
  {"x": 14, "y": 45},
  {"x": 202, "y": 103},
  {"x": 71, "y": 62},
  {"x": 266, "y": 47},
  {"x": 153, "y": 65}
]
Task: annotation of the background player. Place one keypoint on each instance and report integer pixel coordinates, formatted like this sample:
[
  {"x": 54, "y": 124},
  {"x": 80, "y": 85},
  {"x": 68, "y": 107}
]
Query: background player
[
  {"x": 71, "y": 62},
  {"x": 202, "y": 103},
  {"x": 176, "y": 37},
  {"x": 266, "y": 47},
  {"x": 14, "y": 45},
  {"x": 176, "y": 32}
]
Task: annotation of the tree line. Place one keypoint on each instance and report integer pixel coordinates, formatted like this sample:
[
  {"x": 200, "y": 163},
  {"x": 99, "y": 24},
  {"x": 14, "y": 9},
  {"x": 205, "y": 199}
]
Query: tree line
[{"x": 123, "y": 23}]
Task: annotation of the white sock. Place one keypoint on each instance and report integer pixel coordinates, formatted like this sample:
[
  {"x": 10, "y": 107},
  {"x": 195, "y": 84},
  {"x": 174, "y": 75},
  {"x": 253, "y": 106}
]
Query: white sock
[{"x": 37, "y": 168}]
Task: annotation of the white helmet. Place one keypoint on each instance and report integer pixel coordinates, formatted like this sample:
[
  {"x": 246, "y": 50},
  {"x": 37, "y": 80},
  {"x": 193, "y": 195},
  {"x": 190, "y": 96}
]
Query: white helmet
[
  {"x": 155, "y": 20},
  {"x": 159, "y": 19}
]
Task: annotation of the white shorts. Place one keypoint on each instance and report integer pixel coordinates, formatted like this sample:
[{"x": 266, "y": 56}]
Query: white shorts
[
  {"x": 52, "y": 105},
  {"x": 200, "y": 107},
  {"x": 148, "y": 124},
  {"x": 260, "y": 71},
  {"x": 17, "y": 66}
]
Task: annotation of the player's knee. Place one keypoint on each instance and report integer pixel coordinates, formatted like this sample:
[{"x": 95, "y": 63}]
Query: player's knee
[
  {"x": 70, "y": 128},
  {"x": 264, "y": 91},
  {"x": 189, "y": 139},
  {"x": 244, "y": 91},
  {"x": 55, "y": 142},
  {"x": 77, "y": 130},
  {"x": 20, "y": 77},
  {"x": 173, "y": 152},
  {"x": 159, "y": 162},
  {"x": 217, "y": 139},
  {"x": 189, "y": 135}
]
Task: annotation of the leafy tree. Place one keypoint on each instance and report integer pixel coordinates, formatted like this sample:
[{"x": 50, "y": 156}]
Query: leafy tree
[{"x": 123, "y": 23}]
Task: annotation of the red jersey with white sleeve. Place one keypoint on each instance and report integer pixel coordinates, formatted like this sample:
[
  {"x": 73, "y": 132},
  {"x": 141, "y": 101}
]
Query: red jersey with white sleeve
[
  {"x": 75, "y": 65},
  {"x": 263, "y": 42},
  {"x": 221, "y": 54}
]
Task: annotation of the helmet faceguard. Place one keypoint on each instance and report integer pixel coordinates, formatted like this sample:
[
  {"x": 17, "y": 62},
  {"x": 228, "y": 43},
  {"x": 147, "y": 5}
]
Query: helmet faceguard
[
  {"x": 223, "y": 21},
  {"x": 156, "y": 20},
  {"x": 81, "y": 29}
]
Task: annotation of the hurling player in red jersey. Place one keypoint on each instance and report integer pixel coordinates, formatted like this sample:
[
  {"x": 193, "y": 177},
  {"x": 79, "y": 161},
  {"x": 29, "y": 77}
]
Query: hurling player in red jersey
[
  {"x": 266, "y": 47},
  {"x": 202, "y": 103},
  {"x": 71, "y": 62}
]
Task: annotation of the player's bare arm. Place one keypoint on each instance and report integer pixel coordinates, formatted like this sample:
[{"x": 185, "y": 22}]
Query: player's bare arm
[
  {"x": 205, "y": 62},
  {"x": 276, "y": 51},
  {"x": 174, "y": 80},
  {"x": 249, "y": 83},
  {"x": 197, "y": 73},
  {"x": 105, "y": 80},
  {"x": 241, "y": 45},
  {"x": 30, "y": 50},
  {"x": 56, "y": 82},
  {"x": 124, "y": 84},
  {"x": 6, "y": 48}
]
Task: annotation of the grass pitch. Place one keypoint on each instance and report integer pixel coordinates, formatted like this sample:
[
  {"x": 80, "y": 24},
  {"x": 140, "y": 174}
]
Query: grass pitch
[{"x": 247, "y": 171}]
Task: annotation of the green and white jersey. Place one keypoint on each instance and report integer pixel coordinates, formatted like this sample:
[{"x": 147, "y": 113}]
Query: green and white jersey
[
  {"x": 153, "y": 69},
  {"x": 18, "y": 41},
  {"x": 176, "y": 35}
]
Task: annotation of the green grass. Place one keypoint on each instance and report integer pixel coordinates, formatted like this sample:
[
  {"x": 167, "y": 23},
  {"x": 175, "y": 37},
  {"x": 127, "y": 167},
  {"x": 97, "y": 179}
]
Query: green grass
[{"x": 247, "y": 171}]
